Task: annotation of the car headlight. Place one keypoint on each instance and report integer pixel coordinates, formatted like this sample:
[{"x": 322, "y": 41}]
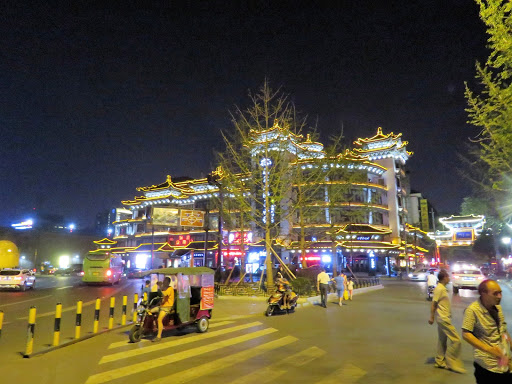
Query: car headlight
[{"x": 410, "y": 274}]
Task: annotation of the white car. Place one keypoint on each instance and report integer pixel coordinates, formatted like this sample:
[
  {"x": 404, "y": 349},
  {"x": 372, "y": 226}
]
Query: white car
[
  {"x": 17, "y": 278},
  {"x": 466, "y": 278},
  {"x": 420, "y": 274}
]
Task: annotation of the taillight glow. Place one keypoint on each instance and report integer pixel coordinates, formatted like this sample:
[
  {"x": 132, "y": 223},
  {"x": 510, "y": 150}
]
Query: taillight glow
[
  {"x": 17, "y": 278},
  {"x": 109, "y": 272},
  {"x": 82, "y": 273}
]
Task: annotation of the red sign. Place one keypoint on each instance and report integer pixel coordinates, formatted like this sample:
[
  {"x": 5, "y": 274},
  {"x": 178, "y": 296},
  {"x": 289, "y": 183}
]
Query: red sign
[{"x": 207, "y": 298}]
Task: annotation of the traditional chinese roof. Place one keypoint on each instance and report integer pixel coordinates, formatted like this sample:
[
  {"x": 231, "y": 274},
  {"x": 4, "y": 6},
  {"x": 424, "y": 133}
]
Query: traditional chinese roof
[
  {"x": 280, "y": 138},
  {"x": 156, "y": 247},
  {"x": 382, "y": 146},
  {"x": 378, "y": 137},
  {"x": 105, "y": 241},
  {"x": 468, "y": 221},
  {"x": 364, "y": 228}
]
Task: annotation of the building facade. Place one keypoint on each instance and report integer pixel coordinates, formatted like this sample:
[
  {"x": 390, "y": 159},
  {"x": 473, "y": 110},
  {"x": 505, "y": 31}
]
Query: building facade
[{"x": 353, "y": 210}]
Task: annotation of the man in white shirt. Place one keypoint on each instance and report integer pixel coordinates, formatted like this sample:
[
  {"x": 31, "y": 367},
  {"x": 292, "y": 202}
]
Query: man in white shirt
[
  {"x": 448, "y": 355},
  {"x": 322, "y": 285},
  {"x": 431, "y": 280}
]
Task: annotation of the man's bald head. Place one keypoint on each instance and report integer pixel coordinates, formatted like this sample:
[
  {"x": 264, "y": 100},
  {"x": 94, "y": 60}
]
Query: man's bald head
[{"x": 490, "y": 293}]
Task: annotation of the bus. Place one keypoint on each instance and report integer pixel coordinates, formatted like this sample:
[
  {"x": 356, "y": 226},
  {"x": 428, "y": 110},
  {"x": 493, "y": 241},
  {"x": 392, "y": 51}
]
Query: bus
[{"x": 102, "y": 268}]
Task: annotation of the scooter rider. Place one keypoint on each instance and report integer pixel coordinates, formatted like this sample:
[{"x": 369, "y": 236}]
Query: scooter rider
[
  {"x": 431, "y": 280},
  {"x": 283, "y": 287}
]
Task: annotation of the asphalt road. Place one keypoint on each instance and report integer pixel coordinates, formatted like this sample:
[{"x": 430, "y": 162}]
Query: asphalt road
[
  {"x": 380, "y": 337},
  {"x": 49, "y": 291}
]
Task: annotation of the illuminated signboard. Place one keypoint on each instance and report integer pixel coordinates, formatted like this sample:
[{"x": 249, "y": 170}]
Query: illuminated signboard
[
  {"x": 181, "y": 240},
  {"x": 466, "y": 235},
  {"x": 363, "y": 238},
  {"x": 23, "y": 225},
  {"x": 236, "y": 238},
  {"x": 191, "y": 218},
  {"x": 165, "y": 216}
]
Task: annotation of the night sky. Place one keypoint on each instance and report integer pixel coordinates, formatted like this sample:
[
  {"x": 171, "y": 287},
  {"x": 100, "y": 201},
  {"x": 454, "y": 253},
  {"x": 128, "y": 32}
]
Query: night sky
[{"x": 97, "y": 101}]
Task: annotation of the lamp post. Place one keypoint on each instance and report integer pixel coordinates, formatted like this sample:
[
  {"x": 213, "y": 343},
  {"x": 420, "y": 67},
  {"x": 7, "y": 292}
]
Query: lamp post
[{"x": 214, "y": 180}]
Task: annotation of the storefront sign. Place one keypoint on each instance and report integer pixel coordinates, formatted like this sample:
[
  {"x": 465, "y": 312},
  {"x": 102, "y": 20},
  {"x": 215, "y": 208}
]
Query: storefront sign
[
  {"x": 192, "y": 218},
  {"x": 207, "y": 298},
  {"x": 165, "y": 216}
]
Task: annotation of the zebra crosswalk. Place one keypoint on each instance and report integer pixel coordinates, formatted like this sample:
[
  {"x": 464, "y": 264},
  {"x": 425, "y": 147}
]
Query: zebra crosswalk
[{"x": 236, "y": 352}]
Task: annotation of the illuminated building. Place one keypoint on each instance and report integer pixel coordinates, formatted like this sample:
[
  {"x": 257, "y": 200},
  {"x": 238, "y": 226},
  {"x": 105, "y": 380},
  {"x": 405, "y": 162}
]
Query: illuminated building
[
  {"x": 357, "y": 214},
  {"x": 460, "y": 235}
]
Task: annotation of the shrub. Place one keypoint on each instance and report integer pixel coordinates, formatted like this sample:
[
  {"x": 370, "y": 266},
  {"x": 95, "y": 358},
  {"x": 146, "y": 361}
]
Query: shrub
[{"x": 302, "y": 286}]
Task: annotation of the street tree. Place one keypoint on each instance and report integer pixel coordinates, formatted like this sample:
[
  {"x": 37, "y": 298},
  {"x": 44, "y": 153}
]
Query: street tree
[
  {"x": 490, "y": 108},
  {"x": 256, "y": 165}
]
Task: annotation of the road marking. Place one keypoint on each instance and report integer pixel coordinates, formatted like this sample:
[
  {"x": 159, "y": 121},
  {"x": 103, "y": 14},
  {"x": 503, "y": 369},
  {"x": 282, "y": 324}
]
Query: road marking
[
  {"x": 173, "y": 343},
  {"x": 25, "y": 301},
  {"x": 216, "y": 365},
  {"x": 272, "y": 372},
  {"x": 68, "y": 286},
  {"x": 118, "y": 344},
  {"x": 161, "y": 361},
  {"x": 237, "y": 317},
  {"x": 349, "y": 372}
]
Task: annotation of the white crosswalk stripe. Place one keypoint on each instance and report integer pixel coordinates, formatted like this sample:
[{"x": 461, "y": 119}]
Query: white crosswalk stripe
[
  {"x": 125, "y": 343},
  {"x": 174, "y": 343},
  {"x": 272, "y": 372},
  {"x": 252, "y": 341},
  {"x": 223, "y": 363},
  {"x": 161, "y": 361}
]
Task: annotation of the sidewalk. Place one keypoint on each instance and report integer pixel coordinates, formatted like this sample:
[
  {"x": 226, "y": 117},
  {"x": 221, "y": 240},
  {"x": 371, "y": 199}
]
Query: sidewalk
[{"x": 303, "y": 301}]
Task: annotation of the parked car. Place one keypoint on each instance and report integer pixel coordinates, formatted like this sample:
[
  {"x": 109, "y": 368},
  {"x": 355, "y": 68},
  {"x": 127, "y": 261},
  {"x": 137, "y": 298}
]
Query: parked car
[
  {"x": 466, "y": 278},
  {"x": 134, "y": 273},
  {"x": 17, "y": 279}
]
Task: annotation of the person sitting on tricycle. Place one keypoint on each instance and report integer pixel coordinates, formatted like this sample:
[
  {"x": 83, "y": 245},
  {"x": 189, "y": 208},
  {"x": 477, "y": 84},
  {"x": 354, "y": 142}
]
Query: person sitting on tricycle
[{"x": 165, "y": 307}]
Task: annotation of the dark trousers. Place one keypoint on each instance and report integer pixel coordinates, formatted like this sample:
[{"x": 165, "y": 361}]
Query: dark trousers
[
  {"x": 324, "y": 288},
  {"x": 483, "y": 376}
]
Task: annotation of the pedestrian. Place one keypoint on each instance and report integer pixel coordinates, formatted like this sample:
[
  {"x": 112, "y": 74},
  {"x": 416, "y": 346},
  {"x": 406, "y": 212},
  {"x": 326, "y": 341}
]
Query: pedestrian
[
  {"x": 322, "y": 285},
  {"x": 341, "y": 283},
  {"x": 350, "y": 287},
  {"x": 146, "y": 290},
  {"x": 448, "y": 342},
  {"x": 484, "y": 327}
]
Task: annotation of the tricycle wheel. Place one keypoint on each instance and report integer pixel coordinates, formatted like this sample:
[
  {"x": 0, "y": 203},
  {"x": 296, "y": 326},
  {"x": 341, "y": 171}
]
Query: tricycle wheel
[
  {"x": 202, "y": 324},
  {"x": 135, "y": 334}
]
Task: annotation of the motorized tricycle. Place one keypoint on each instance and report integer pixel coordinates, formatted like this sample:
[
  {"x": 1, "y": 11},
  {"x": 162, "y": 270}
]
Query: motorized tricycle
[{"x": 193, "y": 301}]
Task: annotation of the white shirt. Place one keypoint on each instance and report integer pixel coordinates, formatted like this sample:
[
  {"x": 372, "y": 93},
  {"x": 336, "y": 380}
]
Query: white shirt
[
  {"x": 323, "y": 278},
  {"x": 431, "y": 280}
]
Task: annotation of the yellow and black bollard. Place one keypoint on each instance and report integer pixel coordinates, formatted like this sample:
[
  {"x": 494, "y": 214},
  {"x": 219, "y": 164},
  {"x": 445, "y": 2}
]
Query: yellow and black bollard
[
  {"x": 56, "y": 327},
  {"x": 96, "y": 316},
  {"x": 78, "y": 321},
  {"x": 111, "y": 313},
  {"x": 135, "y": 302},
  {"x": 1, "y": 322},
  {"x": 123, "y": 310},
  {"x": 30, "y": 331}
]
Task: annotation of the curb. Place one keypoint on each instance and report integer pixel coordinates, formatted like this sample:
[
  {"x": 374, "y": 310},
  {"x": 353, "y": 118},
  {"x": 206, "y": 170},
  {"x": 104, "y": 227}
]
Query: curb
[
  {"x": 303, "y": 302},
  {"x": 71, "y": 342}
]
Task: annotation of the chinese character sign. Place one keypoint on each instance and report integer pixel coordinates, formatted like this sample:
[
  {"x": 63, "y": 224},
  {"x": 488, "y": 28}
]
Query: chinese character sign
[
  {"x": 192, "y": 218},
  {"x": 207, "y": 298}
]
